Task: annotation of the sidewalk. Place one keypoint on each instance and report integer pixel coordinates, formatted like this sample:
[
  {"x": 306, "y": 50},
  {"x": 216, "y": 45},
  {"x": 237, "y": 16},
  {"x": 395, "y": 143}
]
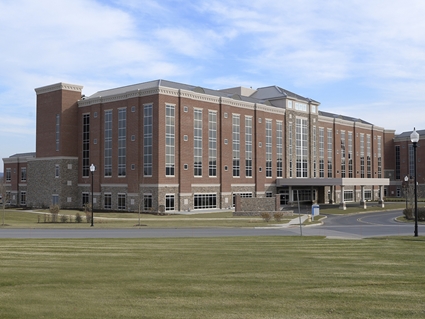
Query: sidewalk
[{"x": 292, "y": 222}]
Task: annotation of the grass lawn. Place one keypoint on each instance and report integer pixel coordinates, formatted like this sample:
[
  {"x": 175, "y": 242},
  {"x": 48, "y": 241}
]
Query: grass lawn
[
  {"x": 23, "y": 219},
  {"x": 259, "y": 277}
]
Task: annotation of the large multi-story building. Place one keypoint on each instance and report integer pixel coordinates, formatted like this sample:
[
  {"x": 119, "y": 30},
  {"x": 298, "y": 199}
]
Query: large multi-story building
[{"x": 179, "y": 147}]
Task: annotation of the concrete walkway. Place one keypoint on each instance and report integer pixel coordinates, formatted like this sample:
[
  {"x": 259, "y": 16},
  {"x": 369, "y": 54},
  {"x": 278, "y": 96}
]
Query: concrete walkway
[{"x": 292, "y": 222}]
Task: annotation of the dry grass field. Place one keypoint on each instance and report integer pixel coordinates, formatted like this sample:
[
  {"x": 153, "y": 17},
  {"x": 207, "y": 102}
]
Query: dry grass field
[{"x": 264, "y": 277}]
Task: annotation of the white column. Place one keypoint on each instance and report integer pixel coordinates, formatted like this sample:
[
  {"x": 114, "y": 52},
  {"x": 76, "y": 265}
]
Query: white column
[
  {"x": 342, "y": 202},
  {"x": 381, "y": 196},
  {"x": 362, "y": 201}
]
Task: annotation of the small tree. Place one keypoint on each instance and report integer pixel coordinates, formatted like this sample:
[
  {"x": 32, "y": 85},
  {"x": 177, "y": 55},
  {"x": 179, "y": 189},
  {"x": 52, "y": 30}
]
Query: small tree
[
  {"x": 78, "y": 218},
  {"x": 87, "y": 211},
  {"x": 54, "y": 211},
  {"x": 266, "y": 216},
  {"x": 3, "y": 199}
]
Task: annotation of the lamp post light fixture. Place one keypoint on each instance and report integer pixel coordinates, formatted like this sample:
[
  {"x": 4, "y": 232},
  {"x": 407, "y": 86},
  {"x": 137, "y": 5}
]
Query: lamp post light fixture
[
  {"x": 92, "y": 169},
  {"x": 414, "y": 137},
  {"x": 406, "y": 187}
]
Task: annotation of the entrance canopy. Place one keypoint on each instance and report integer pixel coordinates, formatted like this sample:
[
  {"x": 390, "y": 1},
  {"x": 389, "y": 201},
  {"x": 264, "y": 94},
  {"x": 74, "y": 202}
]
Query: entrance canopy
[
  {"x": 321, "y": 183},
  {"x": 282, "y": 182}
]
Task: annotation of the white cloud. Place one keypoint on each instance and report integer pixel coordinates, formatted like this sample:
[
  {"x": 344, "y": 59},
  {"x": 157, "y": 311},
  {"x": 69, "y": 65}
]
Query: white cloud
[{"x": 370, "y": 54}]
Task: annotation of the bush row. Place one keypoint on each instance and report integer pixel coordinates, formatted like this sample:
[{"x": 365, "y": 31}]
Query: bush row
[{"x": 268, "y": 216}]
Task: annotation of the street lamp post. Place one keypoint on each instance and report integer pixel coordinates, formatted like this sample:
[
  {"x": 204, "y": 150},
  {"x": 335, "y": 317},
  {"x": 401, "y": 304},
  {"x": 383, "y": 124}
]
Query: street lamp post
[
  {"x": 414, "y": 137},
  {"x": 92, "y": 169},
  {"x": 406, "y": 187}
]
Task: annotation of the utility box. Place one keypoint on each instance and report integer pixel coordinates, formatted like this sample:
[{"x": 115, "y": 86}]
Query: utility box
[{"x": 315, "y": 211}]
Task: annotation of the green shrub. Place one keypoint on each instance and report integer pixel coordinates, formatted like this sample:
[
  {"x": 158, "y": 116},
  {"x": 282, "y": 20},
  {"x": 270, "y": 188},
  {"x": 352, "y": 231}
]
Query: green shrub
[{"x": 64, "y": 218}]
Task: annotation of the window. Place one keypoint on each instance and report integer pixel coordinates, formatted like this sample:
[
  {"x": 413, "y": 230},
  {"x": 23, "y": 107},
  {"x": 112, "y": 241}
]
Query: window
[
  {"x": 248, "y": 146},
  {"x": 348, "y": 196},
  {"x": 147, "y": 140},
  {"x": 350, "y": 154},
  {"x": 169, "y": 202},
  {"x": 368, "y": 157},
  {"x": 8, "y": 174},
  {"x": 397, "y": 162},
  {"x": 23, "y": 198},
  {"x": 269, "y": 194},
  {"x": 121, "y": 201},
  {"x": 86, "y": 145},
  {"x": 236, "y": 144},
  {"x": 362, "y": 172},
  {"x": 368, "y": 194},
  {"x": 301, "y": 106},
  {"x": 379, "y": 157},
  {"x": 243, "y": 195},
  {"x": 23, "y": 174},
  {"x": 301, "y": 147},
  {"x": 304, "y": 195},
  {"x": 290, "y": 149},
  {"x": 57, "y": 131},
  {"x": 411, "y": 161},
  {"x": 107, "y": 201},
  {"x": 57, "y": 171},
  {"x": 55, "y": 199},
  {"x": 268, "y": 148},
  {"x": 279, "y": 149},
  {"x": 321, "y": 152},
  {"x": 169, "y": 140},
  {"x": 133, "y": 109},
  {"x": 107, "y": 168},
  {"x": 330, "y": 149},
  {"x": 197, "y": 142},
  {"x": 147, "y": 202},
  {"x": 122, "y": 133},
  {"x": 212, "y": 143},
  {"x": 342, "y": 154},
  {"x": 203, "y": 201},
  {"x": 85, "y": 198},
  {"x": 289, "y": 106},
  {"x": 314, "y": 152}
]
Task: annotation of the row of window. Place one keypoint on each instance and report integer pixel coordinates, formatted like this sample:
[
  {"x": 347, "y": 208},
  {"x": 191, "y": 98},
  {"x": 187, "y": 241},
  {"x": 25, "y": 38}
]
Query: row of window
[
  {"x": 349, "y": 195},
  {"x": 301, "y": 146}
]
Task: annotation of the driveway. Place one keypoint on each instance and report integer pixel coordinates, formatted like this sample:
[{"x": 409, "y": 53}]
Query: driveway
[{"x": 355, "y": 226}]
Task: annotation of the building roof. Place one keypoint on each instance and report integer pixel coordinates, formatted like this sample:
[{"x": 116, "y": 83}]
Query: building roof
[
  {"x": 29, "y": 154},
  {"x": 343, "y": 117},
  {"x": 261, "y": 95},
  {"x": 407, "y": 134}
]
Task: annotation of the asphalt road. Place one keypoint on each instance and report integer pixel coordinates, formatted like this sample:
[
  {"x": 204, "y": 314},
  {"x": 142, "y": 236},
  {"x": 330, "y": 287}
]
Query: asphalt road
[{"x": 335, "y": 226}]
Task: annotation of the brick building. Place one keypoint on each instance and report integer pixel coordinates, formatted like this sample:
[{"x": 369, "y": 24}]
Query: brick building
[
  {"x": 400, "y": 168},
  {"x": 179, "y": 147}
]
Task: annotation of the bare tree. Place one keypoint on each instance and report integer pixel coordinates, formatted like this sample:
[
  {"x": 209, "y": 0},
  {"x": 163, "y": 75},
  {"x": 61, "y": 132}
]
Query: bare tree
[{"x": 3, "y": 198}]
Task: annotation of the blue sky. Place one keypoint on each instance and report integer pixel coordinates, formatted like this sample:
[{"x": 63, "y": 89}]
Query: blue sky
[{"x": 360, "y": 58}]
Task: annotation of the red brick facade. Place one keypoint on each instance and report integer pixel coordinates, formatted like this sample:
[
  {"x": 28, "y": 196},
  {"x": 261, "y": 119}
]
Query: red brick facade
[{"x": 61, "y": 143}]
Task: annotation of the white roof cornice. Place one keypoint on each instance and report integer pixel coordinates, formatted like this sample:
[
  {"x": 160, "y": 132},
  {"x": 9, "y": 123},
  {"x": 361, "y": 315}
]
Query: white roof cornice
[{"x": 59, "y": 86}]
